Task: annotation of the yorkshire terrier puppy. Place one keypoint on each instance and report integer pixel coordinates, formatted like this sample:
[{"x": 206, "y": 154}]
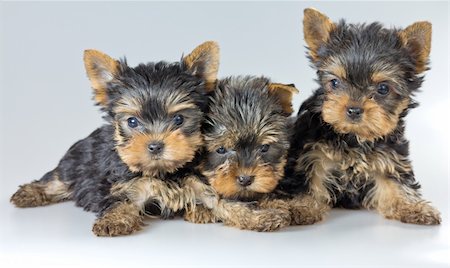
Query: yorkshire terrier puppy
[
  {"x": 246, "y": 142},
  {"x": 349, "y": 149},
  {"x": 145, "y": 153}
]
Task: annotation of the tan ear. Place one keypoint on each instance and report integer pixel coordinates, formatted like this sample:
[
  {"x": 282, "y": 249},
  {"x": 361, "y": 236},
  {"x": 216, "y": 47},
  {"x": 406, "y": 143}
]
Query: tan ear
[
  {"x": 100, "y": 69},
  {"x": 316, "y": 30},
  {"x": 284, "y": 93},
  {"x": 417, "y": 39},
  {"x": 203, "y": 61}
]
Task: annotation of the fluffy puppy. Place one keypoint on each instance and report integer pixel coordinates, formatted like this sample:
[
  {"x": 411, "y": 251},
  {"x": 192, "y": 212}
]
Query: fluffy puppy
[
  {"x": 349, "y": 148},
  {"x": 246, "y": 141},
  {"x": 145, "y": 152}
]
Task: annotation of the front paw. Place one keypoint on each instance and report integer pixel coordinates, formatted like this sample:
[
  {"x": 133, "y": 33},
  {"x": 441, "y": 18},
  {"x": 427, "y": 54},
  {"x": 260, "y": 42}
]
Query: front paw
[
  {"x": 29, "y": 195},
  {"x": 268, "y": 220},
  {"x": 420, "y": 213},
  {"x": 117, "y": 225},
  {"x": 199, "y": 215},
  {"x": 302, "y": 216}
]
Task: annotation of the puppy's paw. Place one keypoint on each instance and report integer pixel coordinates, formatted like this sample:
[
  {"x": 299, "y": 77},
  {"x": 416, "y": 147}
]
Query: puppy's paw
[
  {"x": 303, "y": 216},
  {"x": 116, "y": 225},
  {"x": 200, "y": 215},
  {"x": 420, "y": 213},
  {"x": 29, "y": 195},
  {"x": 268, "y": 220}
]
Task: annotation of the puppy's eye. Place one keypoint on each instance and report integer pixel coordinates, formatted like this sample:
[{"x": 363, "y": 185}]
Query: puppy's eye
[
  {"x": 132, "y": 122},
  {"x": 265, "y": 148},
  {"x": 335, "y": 83},
  {"x": 221, "y": 150},
  {"x": 178, "y": 119},
  {"x": 383, "y": 89}
]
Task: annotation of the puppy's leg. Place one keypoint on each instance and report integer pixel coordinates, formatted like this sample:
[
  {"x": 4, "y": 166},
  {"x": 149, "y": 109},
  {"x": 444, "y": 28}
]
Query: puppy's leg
[
  {"x": 398, "y": 201},
  {"x": 307, "y": 209},
  {"x": 48, "y": 190},
  {"x": 205, "y": 197},
  {"x": 238, "y": 214},
  {"x": 126, "y": 216},
  {"x": 122, "y": 209},
  {"x": 122, "y": 218},
  {"x": 246, "y": 216}
]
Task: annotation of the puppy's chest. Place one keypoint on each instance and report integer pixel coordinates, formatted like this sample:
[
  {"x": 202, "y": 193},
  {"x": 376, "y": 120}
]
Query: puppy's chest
[{"x": 350, "y": 169}]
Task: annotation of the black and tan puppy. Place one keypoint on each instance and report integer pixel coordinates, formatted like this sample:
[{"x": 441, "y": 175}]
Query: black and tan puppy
[
  {"x": 145, "y": 151},
  {"x": 246, "y": 140},
  {"x": 349, "y": 148}
]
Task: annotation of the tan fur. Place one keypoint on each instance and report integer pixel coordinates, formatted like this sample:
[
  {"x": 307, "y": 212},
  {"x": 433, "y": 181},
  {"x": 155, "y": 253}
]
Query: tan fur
[
  {"x": 40, "y": 194},
  {"x": 167, "y": 194},
  {"x": 206, "y": 53},
  {"x": 321, "y": 158},
  {"x": 284, "y": 94},
  {"x": 123, "y": 219},
  {"x": 128, "y": 105},
  {"x": 375, "y": 123},
  {"x": 306, "y": 209},
  {"x": 201, "y": 215},
  {"x": 316, "y": 29},
  {"x": 384, "y": 75},
  {"x": 417, "y": 38},
  {"x": 100, "y": 69},
  {"x": 223, "y": 179},
  {"x": 394, "y": 201},
  {"x": 265, "y": 218},
  {"x": 173, "y": 109},
  {"x": 240, "y": 215},
  {"x": 178, "y": 149},
  {"x": 320, "y": 162},
  {"x": 334, "y": 66}
]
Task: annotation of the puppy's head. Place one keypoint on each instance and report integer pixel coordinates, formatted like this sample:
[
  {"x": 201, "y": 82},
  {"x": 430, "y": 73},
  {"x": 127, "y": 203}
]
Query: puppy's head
[
  {"x": 246, "y": 136},
  {"x": 156, "y": 108},
  {"x": 368, "y": 73}
]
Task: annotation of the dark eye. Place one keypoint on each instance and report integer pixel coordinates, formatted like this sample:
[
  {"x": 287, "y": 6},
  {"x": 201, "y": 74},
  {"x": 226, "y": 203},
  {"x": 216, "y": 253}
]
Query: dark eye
[
  {"x": 383, "y": 89},
  {"x": 265, "y": 148},
  {"x": 132, "y": 122},
  {"x": 178, "y": 119},
  {"x": 334, "y": 83},
  {"x": 221, "y": 150}
]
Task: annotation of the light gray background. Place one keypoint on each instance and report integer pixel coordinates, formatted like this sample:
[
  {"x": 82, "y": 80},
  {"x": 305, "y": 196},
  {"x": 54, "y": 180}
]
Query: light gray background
[{"x": 46, "y": 106}]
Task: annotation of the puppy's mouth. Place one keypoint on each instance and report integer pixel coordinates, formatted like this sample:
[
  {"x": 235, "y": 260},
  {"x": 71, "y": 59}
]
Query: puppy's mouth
[
  {"x": 157, "y": 158},
  {"x": 246, "y": 195},
  {"x": 158, "y": 165}
]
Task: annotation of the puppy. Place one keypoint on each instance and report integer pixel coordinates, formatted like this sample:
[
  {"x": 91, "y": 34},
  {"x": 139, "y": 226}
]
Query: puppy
[
  {"x": 145, "y": 152},
  {"x": 246, "y": 143},
  {"x": 349, "y": 148}
]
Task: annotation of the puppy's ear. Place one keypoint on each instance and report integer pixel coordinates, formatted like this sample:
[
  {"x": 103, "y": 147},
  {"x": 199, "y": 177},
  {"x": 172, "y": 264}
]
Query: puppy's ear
[
  {"x": 417, "y": 39},
  {"x": 101, "y": 70},
  {"x": 284, "y": 94},
  {"x": 203, "y": 61},
  {"x": 316, "y": 30}
]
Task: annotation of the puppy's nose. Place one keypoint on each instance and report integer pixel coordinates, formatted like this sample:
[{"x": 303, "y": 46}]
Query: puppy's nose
[
  {"x": 245, "y": 180},
  {"x": 156, "y": 147},
  {"x": 354, "y": 113}
]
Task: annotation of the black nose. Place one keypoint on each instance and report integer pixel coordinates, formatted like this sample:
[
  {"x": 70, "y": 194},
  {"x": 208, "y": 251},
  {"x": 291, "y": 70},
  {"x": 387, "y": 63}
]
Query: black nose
[
  {"x": 245, "y": 180},
  {"x": 156, "y": 147},
  {"x": 354, "y": 112}
]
